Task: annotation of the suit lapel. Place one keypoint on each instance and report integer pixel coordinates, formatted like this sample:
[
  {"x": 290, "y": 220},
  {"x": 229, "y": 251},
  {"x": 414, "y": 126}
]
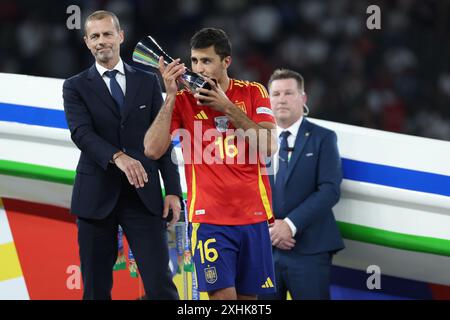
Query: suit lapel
[
  {"x": 133, "y": 85},
  {"x": 101, "y": 90},
  {"x": 300, "y": 141}
]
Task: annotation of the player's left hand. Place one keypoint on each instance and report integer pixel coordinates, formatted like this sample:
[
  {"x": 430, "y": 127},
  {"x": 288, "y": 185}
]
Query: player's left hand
[
  {"x": 172, "y": 202},
  {"x": 215, "y": 98},
  {"x": 281, "y": 235}
]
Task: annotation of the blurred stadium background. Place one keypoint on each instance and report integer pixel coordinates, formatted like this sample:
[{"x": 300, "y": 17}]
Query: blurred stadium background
[{"x": 395, "y": 79}]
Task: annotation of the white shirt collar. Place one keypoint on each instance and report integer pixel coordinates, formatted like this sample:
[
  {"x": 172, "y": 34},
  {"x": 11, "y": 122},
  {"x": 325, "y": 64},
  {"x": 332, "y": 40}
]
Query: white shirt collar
[
  {"x": 119, "y": 67},
  {"x": 293, "y": 129}
]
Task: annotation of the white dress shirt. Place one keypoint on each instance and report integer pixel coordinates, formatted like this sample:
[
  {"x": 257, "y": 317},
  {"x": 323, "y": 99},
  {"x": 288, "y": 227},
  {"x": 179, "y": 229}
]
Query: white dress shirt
[
  {"x": 120, "y": 76},
  {"x": 293, "y": 129}
]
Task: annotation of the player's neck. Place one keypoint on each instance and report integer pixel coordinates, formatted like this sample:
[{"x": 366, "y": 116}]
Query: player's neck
[{"x": 224, "y": 83}]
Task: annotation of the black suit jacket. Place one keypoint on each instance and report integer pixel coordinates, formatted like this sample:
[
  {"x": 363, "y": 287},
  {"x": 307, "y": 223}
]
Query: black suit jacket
[{"x": 100, "y": 130}]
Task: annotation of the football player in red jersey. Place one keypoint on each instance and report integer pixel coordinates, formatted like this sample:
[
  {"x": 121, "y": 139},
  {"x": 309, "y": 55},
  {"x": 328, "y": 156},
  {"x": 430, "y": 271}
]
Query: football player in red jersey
[{"x": 229, "y": 196}]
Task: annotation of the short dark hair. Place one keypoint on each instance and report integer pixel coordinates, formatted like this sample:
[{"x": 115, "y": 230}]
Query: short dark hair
[
  {"x": 207, "y": 37},
  {"x": 287, "y": 74},
  {"x": 102, "y": 14}
]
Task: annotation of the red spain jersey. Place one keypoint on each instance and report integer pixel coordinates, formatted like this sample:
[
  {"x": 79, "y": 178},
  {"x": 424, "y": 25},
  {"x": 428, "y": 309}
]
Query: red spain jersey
[{"x": 227, "y": 183}]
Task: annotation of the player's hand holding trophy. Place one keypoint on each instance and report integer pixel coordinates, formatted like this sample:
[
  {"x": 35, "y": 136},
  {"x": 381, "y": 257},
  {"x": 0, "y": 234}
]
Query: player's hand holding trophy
[{"x": 148, "y": 51}]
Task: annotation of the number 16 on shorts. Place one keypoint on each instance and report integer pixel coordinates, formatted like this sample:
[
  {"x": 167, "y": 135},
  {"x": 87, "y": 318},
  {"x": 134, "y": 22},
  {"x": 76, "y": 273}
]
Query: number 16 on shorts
[{"x": 206, "y": 251}]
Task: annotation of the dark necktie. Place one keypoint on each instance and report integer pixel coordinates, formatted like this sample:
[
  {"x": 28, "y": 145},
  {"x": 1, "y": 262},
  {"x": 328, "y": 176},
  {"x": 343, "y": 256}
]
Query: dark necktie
[
  {"x": 116, "y": 91},
  {"x": 278, "y": 199}
]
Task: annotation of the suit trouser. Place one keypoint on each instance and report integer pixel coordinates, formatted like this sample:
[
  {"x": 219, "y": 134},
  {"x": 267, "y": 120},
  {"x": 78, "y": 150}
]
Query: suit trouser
[
  {"x": 147, "y": 237},
  {"x": 306, "y": 277}
]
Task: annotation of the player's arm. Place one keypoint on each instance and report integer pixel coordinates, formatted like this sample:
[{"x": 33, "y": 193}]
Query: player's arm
[
  {"x": 265, "y": 141},
  {"x": 157, "y": 139}
]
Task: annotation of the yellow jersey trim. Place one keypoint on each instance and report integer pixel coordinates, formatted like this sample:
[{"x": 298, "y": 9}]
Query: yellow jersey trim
[
  {"x": 195, "y": 226},
  {"x": 263, "y": 193},
  {"x": 194, "y": 194},
  {"x": 261, "y": 88},
  {"x": 258, "y": 85},
  {"x": 181, "y": 92}
]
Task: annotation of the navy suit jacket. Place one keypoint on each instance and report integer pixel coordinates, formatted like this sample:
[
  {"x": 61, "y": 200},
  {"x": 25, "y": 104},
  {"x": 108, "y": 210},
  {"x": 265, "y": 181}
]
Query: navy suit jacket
[
  {"x": 100, "y": 129},
  {"x": 312, "y": 188}
]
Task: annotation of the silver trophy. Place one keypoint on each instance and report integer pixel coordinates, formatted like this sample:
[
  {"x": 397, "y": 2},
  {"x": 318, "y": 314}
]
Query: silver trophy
[{"x": 148, "y": 51}]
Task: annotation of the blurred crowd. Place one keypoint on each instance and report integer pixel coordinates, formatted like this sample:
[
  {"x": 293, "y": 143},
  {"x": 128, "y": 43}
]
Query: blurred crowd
[{"x": 396, "y": 78}]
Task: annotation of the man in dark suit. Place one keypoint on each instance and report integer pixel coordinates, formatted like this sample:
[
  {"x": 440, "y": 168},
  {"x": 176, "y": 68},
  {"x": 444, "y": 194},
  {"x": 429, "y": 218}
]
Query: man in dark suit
[
  {"x": 108, "y": 109},
  {"x": 305, "y": 187}
]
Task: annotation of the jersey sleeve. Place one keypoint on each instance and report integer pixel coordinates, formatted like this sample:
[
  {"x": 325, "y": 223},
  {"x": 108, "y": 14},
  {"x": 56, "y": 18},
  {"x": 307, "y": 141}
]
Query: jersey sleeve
[{"x": 262, "y": 110}]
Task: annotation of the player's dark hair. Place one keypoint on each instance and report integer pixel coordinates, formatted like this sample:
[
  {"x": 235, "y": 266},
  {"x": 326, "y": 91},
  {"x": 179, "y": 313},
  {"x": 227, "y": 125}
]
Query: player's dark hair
[{"x": 207, "y": 37}]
